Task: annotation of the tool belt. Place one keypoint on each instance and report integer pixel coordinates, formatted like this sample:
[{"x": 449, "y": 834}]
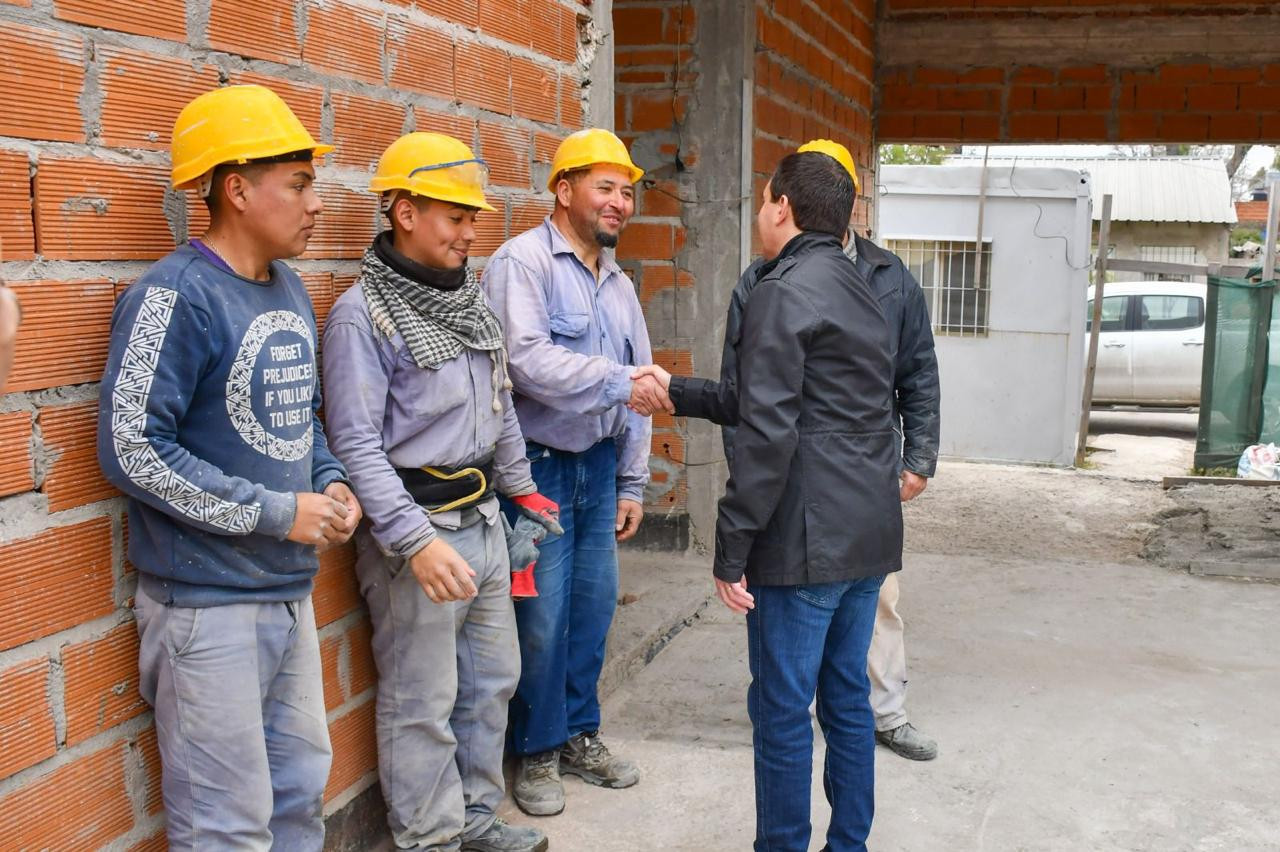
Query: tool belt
[{"x": 442, "y": 489}]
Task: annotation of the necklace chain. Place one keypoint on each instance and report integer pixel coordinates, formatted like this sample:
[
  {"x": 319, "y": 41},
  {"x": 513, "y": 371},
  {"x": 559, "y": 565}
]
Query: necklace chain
[{"x": 209, "y": 245}]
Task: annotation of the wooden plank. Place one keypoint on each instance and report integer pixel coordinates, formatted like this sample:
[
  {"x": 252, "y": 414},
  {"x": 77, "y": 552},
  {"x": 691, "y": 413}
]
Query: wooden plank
[
  {"x": 1273, "y": 219},
  {"x": 1268, "y": 569},
  {"x": 1180, "y": 481},
  {"x": 1160, "y": 267},
  {"x": 1091, "y": 362}
]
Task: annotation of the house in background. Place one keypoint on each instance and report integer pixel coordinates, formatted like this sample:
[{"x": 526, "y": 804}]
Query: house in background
[
  {"x": 1009, "y": 331},
  {"x": 1167, "y": 209}
]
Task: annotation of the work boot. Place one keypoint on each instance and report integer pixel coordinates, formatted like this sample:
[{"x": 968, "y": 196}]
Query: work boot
[
  {"x": 588, "y": 758},
  {"x": 905, "y": 740},
  {"x": 501, "y": 837},
  {"x": 538, "y": 789}
]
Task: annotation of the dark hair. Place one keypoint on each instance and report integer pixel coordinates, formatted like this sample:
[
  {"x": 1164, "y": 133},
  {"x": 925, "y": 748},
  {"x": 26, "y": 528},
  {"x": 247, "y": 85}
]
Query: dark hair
[
  {"x": 251, "y": 170},
  {"x": 819, "y": 189}
]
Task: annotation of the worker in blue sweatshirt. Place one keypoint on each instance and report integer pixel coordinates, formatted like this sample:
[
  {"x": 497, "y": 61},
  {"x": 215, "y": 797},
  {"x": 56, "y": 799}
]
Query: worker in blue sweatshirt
[{"x": 208, "y": 423}]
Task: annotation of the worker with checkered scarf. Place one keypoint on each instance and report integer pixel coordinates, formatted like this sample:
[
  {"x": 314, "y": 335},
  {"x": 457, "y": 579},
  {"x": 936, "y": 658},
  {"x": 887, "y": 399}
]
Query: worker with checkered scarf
[{"x": 419, "y": 410}]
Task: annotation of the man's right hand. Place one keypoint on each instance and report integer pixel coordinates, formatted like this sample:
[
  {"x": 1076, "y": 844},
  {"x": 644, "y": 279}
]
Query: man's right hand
[
  {"x": 443, "y": 574},
  {"x": 649, "y": 391},
  {"x": 318, "y": 520}
]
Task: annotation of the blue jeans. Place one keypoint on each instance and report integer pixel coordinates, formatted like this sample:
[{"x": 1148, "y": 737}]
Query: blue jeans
[
  {"x": 562, "y": 631},
  {"x": 807, "y": 640},
  {"x": 240, "y": 721}
]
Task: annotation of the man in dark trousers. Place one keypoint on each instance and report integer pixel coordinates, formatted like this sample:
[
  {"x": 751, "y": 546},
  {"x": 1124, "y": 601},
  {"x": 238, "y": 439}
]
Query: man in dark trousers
[
  {"x": 917, "y": 397},
  {"x": 810, "y": 522}
]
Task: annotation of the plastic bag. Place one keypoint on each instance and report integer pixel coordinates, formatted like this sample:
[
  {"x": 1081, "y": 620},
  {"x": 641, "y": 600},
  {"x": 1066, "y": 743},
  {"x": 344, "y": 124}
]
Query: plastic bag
[{"x": 1261, "y": 461}]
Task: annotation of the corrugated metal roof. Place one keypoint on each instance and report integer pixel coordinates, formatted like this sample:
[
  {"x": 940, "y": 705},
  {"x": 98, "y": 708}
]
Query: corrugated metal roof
[{"x": 1143, "y": 189}]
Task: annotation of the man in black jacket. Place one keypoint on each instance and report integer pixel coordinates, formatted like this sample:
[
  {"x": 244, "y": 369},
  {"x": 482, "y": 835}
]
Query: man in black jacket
[
  {"x": 917, "y": 398},
  {"x": 810, "y": 521}
]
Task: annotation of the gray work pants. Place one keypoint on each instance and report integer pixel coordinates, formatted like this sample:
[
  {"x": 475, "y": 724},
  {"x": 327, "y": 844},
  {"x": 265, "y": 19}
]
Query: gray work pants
[
  {"x": 445, "y": 675},
  {"x": 239, "y": 714},
  {"x": 887, "y": 661}
]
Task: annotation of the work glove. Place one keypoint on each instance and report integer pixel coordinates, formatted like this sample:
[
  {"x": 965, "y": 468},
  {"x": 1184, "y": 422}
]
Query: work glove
[
  {"x": 522, "y": 547},
  {"x": 538, "y": 508}
]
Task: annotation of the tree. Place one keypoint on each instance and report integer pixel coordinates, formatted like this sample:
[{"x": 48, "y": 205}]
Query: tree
[{"x": 913, "y": 155}]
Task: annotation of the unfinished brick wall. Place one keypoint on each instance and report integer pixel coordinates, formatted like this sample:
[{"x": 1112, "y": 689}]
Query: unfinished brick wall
[
  {"x": 1014, "y": 71},
  {"x": 653, "y": 87},
  {"x": 814, "y": 68},
  {"x": 88, "y": 95}
]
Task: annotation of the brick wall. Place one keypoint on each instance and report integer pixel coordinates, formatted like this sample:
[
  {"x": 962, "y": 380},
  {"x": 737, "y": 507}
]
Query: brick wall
[
  {"x": 653, "y": 86},
  {"x": 1082, "y": 71},
  {"x": 814, "y": 68},
  {"x": 88, "y": 95}
]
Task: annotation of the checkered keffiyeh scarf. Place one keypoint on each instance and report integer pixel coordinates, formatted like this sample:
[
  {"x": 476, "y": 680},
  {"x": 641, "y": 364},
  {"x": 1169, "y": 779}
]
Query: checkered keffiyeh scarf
[{"x": 437, "y": 325}]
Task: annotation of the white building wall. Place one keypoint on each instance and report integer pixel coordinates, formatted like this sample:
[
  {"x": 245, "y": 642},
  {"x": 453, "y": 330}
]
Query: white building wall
[{"x": 1013, "y": 395}]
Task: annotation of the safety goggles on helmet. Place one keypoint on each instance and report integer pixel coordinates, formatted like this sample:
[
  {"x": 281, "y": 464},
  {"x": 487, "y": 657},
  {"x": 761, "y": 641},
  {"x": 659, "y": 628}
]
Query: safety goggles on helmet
[{"x": 461, "y": 182}]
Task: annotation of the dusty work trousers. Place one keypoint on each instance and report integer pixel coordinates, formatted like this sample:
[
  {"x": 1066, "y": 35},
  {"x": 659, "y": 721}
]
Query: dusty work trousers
[
  {"x": 239, "y": 712},
  {"x": 445, "y": 675},
  {"x": 887, "y": 661}
]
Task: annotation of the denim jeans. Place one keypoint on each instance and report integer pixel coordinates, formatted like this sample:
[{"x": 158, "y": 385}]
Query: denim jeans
[
  {"x": 802, "y": 641},
  {"x": 240, "y": 719},
  {"x": 563, "y": 629},
  {"x": 446, "y": 673}
]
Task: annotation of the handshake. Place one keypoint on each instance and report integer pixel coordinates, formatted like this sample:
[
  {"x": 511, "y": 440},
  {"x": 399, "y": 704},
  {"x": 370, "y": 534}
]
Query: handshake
[{"x": 649, "y": 386}]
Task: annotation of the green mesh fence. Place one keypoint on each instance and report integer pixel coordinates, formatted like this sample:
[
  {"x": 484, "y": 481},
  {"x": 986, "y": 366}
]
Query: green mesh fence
[{"x": 1240, "y": 385}]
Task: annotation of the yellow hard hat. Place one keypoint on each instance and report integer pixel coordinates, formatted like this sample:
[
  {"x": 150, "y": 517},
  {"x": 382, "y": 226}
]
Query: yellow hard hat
[
  {"x": 432, "y": 165},
  {"x": 837, "y": 152},
  {"x": 234, "y": 124},
  {"x": 588, "y": 148}
]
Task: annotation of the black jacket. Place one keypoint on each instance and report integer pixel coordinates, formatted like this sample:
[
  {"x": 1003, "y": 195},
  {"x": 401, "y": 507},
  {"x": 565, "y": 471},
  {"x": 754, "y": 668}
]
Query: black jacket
[
  {"x": 916, "y": 393},
  {"x": 812, "y": 495}
]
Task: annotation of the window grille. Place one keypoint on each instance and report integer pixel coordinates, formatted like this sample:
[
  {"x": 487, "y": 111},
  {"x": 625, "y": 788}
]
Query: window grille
[
  {"x": 1170, "y": 254},
  {"x": 947, "y": 271}
]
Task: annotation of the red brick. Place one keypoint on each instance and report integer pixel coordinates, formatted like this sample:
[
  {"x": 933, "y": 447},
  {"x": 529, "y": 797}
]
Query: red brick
[
  {"x": 330, "y": 669},
  {"x": 638, "y": 25},
  {"x": 460, "y": 11},
  {"x": 544, "y": 147},
  {"x": 941, "y": 128},
  {"x": 54, "y": 580},
  {"x": 1234, "y": 127},
  {"x": 647, "y": 241},
  {"x": 647, "y": 77},
  {"x": 1160, "y": 97},
  {"x": 1136, "y": 127},
  {"x": 491, "y": 228},
  {"x": 52, "y": 64},
  {"x": 663, "y": 197},
  {"x": 346, "y": 227},
  {"x": 16, "y": 473},
  {"x": 320, "y": 288},
  {"x": 94, "y": 210},
  {"x": 533, "y": 90},
  {"x": 362, "y": 671},
  {"x": 101, "y": 683},
  {"x": 305, "y": 101},
  {"x": 527, "y": 215},
  {"x": 681, "y": 25},
  {"x": 981, "y": 128},
  {"x": 17, "y": 233},
  {"x": 1177, "y": 127},
  {"x": 27, "y": 735},
  {"x": 567, "y": 36},
  {"x": 1083, "y": 74},
  {"x": 336, "y": 591},
  {"x": 1087, "y": 127},
  {"x": 668, "y": 446},
  {"x": 678, "y": 362},
  {"x": 159, "y": 18},
  {"x": 662, "y": 57},
  {"x": 654, "y": 111},
  {"x": 74, "y": 477},
  {"x": 364, "y": 127},
  {"x": 570, "y": 102},
  {"x": 1059, "y": 98},
  {"x": 967, "y": 99},
  {"x": 1247, "y": 74},
  {"x": 458, "y": 126},
  {"x": 892, "y": 127},
  {"x": 506, "y": 150},
  {"x": 142, "y": 95},
  {"x": 527, "y": 23},
  {"x": 64, "y": 334},
  {"x": 1260, "y": 97},
  {"x": 482, "y": 77},
  {"x": 263, "y": 29},
  {"x": 421, "y": 58},
  {"x": 82, "y": 805},
  {"x": 1098, "y": 98},
  {"x": 1033, "y": 127},
  {"x": 355, "y": 749},
  {"x": 345, "y": 40},
  {"x": 1032, "y": 74},
  {"x": 661, "y": 278},
  {"x": 1212, "y": 98},
  {"x": 1198, "y": 73}
]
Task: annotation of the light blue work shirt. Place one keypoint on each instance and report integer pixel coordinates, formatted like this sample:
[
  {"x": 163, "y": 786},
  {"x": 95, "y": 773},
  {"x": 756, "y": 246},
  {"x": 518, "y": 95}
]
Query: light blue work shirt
[{"x": 574, "y": 343}]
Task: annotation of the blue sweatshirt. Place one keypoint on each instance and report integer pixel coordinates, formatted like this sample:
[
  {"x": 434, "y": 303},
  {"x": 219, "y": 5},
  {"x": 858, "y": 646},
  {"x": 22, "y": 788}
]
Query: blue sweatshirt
[{"x": 207, "y": 421}]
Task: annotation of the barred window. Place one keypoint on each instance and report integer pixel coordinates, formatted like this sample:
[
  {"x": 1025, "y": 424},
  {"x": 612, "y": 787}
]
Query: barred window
[
  {"x": 1170, "y": 254},
  {"x": 958, "y": 303}
]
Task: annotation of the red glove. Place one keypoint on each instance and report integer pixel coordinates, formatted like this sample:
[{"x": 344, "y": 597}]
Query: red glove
[{"x": 538, "y": 508}]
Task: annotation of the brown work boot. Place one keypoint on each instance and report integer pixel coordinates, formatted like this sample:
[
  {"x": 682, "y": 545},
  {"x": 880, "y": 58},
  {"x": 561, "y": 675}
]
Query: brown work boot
[
  {"x": 538, "y": 789},
  {"x": 588, "y": 758}
]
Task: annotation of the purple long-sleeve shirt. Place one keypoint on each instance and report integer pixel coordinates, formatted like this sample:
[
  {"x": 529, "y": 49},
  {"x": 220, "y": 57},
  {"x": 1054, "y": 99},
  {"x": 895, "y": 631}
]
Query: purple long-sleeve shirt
[
  {"x": 573, "y": 343},
  {"x": 383, "y": 411}
]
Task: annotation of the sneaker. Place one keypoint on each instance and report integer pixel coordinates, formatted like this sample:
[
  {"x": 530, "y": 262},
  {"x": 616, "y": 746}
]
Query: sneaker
[
  {"x": 501, "y": 837},
  {"x": 588, "y": 758},
  {"x": 906, "y": 741},
  {"x": 538, "y": 789}
]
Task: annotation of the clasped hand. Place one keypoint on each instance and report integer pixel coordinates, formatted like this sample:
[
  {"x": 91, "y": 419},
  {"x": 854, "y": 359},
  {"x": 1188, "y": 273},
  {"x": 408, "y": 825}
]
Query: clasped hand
[{"x": 649, "y": 391}]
